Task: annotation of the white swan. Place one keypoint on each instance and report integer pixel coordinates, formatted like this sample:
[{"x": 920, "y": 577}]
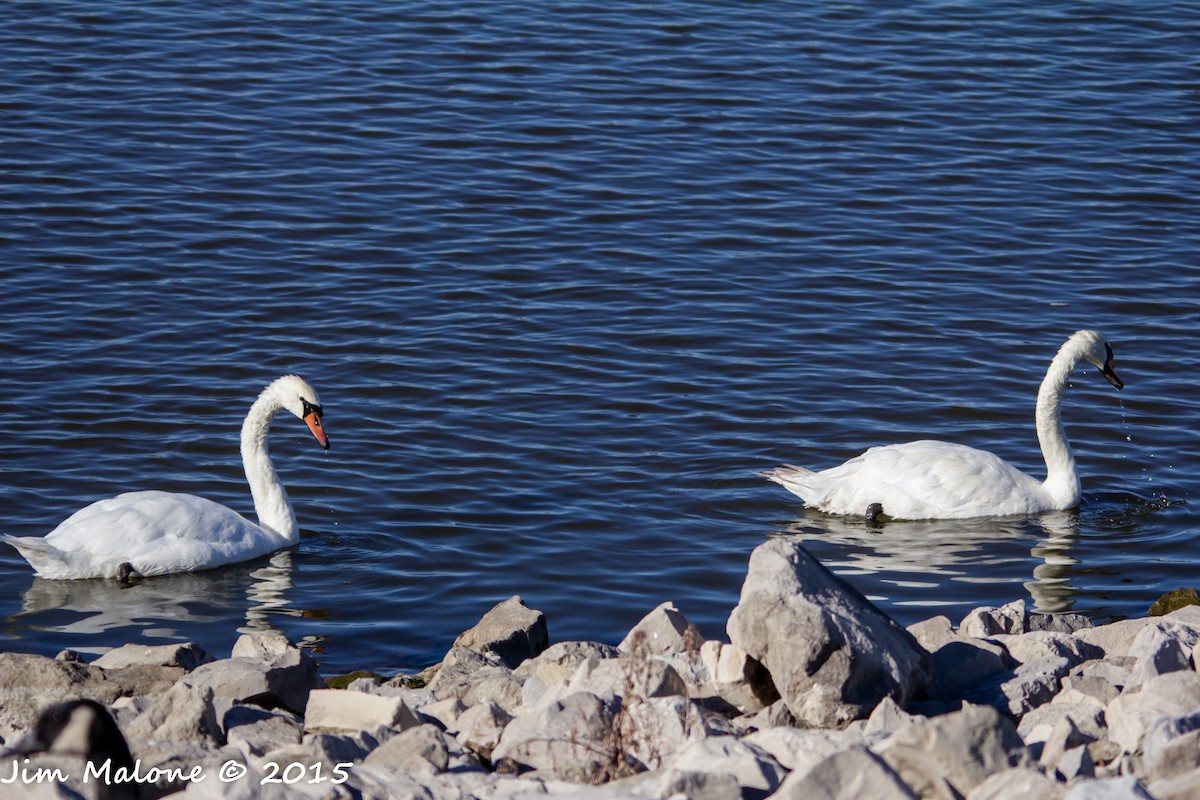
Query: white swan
[
  {"x": 938, "y": 480},
  {"x": 157, "y": 533}
]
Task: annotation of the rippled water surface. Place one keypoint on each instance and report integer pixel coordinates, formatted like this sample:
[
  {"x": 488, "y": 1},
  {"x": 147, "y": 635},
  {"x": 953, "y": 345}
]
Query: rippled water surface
[{"x": 567, "y": 277}]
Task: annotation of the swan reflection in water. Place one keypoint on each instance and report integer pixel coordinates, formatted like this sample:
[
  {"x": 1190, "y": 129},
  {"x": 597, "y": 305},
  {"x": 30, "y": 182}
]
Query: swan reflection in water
[
  {"x": 161, "y": 607},
  {"x": 916, "y": 563}
]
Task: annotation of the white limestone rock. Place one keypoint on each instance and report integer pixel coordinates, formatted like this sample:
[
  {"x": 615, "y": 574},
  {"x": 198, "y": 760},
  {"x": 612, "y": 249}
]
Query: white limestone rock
[
  {"x": 986, "y": 621},
  {"x": 569, "y": 739},
  {"x": 737, "y": 678},
  {"x": 752, "y": 767},
  {"x": 663, "y": 630},
  {"x": 337, "y": 710},
  {"x": 257, "y": 731},
  {"x": 1131, "y": 714},
  {"x": 831, "y": 654},
  {"x": 188, "y": 656},
  {"x": 511, "y": 631},
  {"x": 849, "y": 774},
  {"x": 1018, "y": 783},
  {"x": 958, "y": 750},
  {"x": 479, "y": 728},
  {"x": 934, "y": 632},
  {"x": 182, "y": 714},
  {"x": 265, "y": 669},
  {"x": 1126, "y": 787}
]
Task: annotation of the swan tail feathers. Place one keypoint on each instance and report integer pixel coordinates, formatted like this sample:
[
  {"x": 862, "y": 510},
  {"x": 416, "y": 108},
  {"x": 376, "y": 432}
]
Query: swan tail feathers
[
  {"x": 785, "y": 472},
  {"x": 44, "y": 557},
  {"x": 791, "y": 478}
]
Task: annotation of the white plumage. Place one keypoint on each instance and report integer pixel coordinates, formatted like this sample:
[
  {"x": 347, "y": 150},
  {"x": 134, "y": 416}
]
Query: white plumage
[
  {"x": 157, "y": 533},
  {"x": 939, "y": 480}
]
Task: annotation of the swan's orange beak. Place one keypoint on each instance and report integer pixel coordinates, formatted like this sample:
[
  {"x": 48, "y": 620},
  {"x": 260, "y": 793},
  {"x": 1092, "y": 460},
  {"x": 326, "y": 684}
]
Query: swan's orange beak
[{"x": 313, "y": 420}]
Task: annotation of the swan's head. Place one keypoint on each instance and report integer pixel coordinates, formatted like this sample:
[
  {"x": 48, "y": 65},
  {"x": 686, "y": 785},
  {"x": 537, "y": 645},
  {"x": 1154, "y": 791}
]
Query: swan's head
[
  {"x": 298, "y": 397},
  {"x": 1097, "y": 352}
]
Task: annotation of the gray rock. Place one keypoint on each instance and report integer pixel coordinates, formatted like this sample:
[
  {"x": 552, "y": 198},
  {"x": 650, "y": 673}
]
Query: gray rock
[
  {"x": 663, "y": 630},
  {"x": 1064, "y": 737},
  {"x": 776, "y": 715},
  {"x": 511, "y": 631},
  {"x": 963, "y": 664},
  {"x": 1132, "y": 713},
  {"x": 1033, "y": 684},
  {"x": 1127, "y": 787},
  {"x": 1188, "y": 616},
  {"x": 570, "y": 739},
  {"x": 1183, "y": 787},
  {"x": 1018, "y": 783},
  {"x": 183, "y": 714},
  {"x": 800, "y": 750},
  {"x": 444, "y": 713},
  {"x": 494, "y": 685},
  {"x": 737, "y": 678},
  {"x": 631, "y": 677},
  {"x": 1172, "y": 746},
  {"x": 850, "y": 774},
  {"x": 750, "y": 766},
  {"x": 958, "y": 751},
  {"x": 1076, "y": 763},
  {"x": 933, "y": 632},
  {"x": 461, "y": 669},
  {"x": 265, "y": 669},
  {"x": 422, "y": 751},
  {"x": 29, "y": 683},
  {"x": 183, "y": 757},
  {"x": 831, "y": 654},
  {"x": 337, "y": 710},
  {"x": 1048, "y": 644},
  {"x": 256, "y": 731},
  {"x": 699, "y": 785},
  {"x": 1038, "y": 725},
  {"x": 887, "y": 718},
  {"x": 328, "y": 748},
  {"x": 1160, "y": 650},
  {"x": 564, "y": 658},
  {"x": 986, "y": 621},
  {"x": 1057, "y": 623},
  {"x": 1176, "y": 757},
  {"x": 1116, "y": 638},
  {"x": 652, "y": 730},
  {"x": 188, "y": 656},
  {"x": 480, "y": 727},
  {"x": 1093, "y": 686}
]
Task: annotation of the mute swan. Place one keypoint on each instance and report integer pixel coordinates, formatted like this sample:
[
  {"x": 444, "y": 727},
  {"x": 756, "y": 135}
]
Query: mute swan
[
  {"x": 157, "y": 533},
  {"x": 939, "y": 480}
]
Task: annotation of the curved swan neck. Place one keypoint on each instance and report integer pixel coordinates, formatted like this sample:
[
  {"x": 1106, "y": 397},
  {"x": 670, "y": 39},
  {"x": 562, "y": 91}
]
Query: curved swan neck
[
  {"x": 1062, "y": 481},
  {"x": 271, "y": 502}
]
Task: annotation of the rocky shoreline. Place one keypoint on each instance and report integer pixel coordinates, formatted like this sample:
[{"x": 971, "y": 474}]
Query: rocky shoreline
[{"x": 816, "y": 695}]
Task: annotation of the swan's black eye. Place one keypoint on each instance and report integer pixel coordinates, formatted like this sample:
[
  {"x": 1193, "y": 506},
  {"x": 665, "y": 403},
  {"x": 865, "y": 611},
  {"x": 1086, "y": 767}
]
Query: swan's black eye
[{"x": 309, "y": 408}]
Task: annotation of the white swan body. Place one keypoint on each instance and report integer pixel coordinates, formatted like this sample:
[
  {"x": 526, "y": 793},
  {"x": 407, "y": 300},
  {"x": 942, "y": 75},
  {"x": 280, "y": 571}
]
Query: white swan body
[
  {"x": 157, "y": 533},
  {"x": 939, "y": 480}
]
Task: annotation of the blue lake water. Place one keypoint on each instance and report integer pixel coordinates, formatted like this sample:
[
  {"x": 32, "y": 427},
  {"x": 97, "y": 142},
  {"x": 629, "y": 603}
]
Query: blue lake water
[{"x": 566, "y": 277}]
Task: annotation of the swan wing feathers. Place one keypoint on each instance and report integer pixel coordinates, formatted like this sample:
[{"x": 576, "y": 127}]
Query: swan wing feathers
[
  {"x": 918, "y": 480},
  {"x": 156, "y": 532}
]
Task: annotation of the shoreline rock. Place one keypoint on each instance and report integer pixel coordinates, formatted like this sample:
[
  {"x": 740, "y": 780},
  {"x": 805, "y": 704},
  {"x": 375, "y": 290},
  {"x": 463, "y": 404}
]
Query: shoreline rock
[{"x": 817, "y": 694}]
